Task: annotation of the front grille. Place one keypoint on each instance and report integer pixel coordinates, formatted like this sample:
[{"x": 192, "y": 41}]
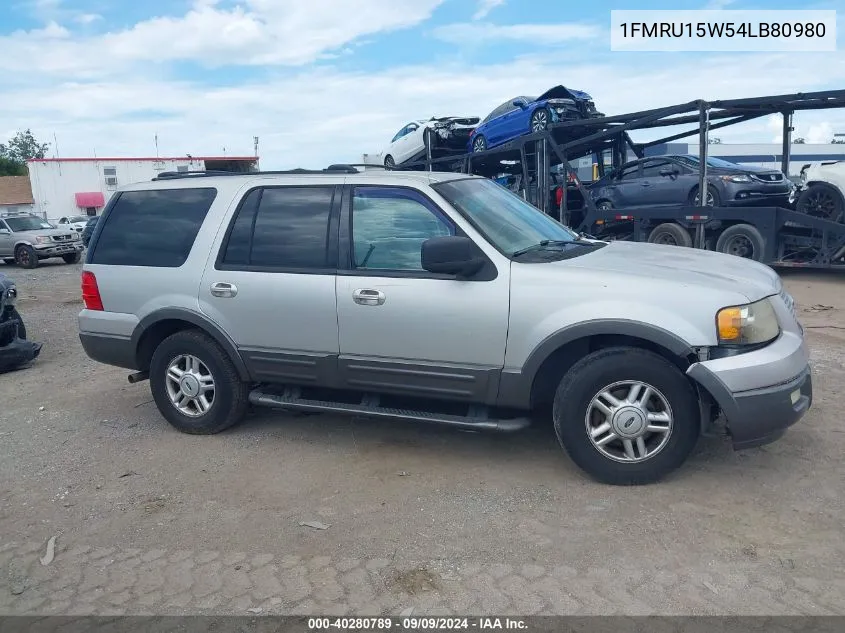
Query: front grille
[
  {"x": 62, "y": 238},
  {"x": 768, "y": 177}
]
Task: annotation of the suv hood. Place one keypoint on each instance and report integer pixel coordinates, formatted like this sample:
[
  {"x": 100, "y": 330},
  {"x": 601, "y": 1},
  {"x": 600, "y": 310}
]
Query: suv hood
[
  {"x": 561, "y": 92},
  {"x": 686, "y": 266}
]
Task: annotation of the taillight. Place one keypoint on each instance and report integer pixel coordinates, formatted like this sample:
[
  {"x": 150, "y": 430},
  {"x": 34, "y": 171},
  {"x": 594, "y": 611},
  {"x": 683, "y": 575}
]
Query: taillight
[{"x": 90, "y": 292}]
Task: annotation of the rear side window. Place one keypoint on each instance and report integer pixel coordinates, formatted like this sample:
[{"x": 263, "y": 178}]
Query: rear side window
[
  {"x": 280, "y": 228},
  {"x": 152, "y": 228}
]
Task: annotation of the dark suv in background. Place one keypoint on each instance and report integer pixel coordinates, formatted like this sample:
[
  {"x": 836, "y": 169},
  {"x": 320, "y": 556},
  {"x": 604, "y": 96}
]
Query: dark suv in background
[
  {"x": 673, "y": 180},
  {"x": 88, "y": 231}
]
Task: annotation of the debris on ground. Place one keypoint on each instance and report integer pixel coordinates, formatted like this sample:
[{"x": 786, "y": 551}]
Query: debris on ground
[
  {"x": 317, "y": 525},
  {"x": 711, "y": 587},
  {"x": 406, "y": 612},
  {"x": 255, "y": 610},
  {"x": 403, "y": 473},
  {"x": 18, "y": 582},
  {"x": 50, "y": 553},
  {"x": 128, "y": 474},
  {"x": 818, "y": 308}
]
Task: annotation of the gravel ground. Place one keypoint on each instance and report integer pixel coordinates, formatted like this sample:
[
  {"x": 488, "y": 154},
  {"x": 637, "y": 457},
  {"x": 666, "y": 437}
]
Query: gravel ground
[{"x": 152, "y": 521}]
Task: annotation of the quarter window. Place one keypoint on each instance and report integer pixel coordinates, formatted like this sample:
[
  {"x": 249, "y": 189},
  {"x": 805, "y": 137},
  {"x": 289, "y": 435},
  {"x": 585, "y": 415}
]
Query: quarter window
[
  {"x": 152, "y": 227},
  {"x": 389, "y": 226}
]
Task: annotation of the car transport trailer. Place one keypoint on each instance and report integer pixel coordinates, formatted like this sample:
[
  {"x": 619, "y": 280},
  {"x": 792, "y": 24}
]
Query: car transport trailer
[{"x": 774, "y": 235}]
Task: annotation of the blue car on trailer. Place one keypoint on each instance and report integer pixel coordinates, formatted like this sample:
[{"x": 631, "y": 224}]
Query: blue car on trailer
[{"x": 523, "y": 115}]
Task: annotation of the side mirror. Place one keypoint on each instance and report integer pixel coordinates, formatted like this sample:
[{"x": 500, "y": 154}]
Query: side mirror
[
  {"x": 5, "y": 232},
  {"x": 519, "y": 103},
  {"x": 450, "y": 255}
]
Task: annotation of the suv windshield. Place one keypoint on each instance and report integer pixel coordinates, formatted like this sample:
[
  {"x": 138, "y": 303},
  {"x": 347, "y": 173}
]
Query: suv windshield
[
  {"x": 505, "y": 219},
  {"x": 27, "y": 223}
]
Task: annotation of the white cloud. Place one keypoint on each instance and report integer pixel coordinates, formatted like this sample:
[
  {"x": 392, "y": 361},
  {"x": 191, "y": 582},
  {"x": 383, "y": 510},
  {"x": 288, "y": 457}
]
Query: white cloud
[
  {"x": 87, "y": 18},
  {"x": 539, "y": 34},
  {"x": 257, "y": 32},
  {"x": 485, "y": 7}
]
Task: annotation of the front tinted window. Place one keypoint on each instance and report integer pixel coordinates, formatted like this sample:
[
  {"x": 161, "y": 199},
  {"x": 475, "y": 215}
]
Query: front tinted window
[
  {"x": 291, "y": 227},
  {"x": 629, "y": 173},
  {"x": 654, "y": 167},
  {"x": 389, "y": 225},
  {"x": 152, "y": 228},
  {"x": 505, "y": 219}
]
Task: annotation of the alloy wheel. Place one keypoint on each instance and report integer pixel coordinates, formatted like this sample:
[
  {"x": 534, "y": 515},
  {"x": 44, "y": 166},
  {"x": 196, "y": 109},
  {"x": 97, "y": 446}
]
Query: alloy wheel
[
  {"x": 539, "y": 121},
  {"x": 190, "y": 385},
  {"x": 629, "y": 421}
]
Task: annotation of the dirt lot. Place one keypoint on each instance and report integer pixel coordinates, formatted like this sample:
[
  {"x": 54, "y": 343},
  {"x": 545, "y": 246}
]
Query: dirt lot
[{"x": 152, "y": 521}]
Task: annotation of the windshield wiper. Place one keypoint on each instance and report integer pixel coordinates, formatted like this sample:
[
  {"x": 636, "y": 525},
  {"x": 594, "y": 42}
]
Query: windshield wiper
[{"x": 542, "y": 244}]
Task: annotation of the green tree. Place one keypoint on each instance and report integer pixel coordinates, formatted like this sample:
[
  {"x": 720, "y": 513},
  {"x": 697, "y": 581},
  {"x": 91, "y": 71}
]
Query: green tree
[
  {"x": 22, "y": 147},
  {"x": 799, "y": 141},
  {"x": 9, "y": 167}
]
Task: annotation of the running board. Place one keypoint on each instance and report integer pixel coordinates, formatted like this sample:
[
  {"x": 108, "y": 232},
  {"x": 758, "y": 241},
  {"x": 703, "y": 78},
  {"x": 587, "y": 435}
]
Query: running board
[{"x": 290, "y": 400}]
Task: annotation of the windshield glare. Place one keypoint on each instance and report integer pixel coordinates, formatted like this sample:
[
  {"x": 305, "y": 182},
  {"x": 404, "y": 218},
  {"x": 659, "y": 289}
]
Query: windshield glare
[
  {"x": 505, "y": 219},
  {"x": 27, "y": 224}
]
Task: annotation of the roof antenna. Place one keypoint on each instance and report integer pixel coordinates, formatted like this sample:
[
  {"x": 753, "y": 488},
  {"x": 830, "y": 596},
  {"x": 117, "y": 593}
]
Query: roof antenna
[{"x": 156, "y": 142}]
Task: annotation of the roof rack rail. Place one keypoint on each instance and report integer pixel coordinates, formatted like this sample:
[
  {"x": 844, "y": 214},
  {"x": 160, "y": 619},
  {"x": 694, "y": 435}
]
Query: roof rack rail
[{"x": 211, "y": 173}]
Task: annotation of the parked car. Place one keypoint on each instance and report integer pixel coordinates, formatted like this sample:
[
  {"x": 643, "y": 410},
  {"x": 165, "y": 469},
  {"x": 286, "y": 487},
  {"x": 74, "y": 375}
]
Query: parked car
[
  {"x": 674, "y": 180},
  {"x": 446, "y": 133},
  {"x": 88, "y": 231},
  {"x": 821, "y": 192},
  {"x": 75, "y": 222},
  {"x": 15, "y": 350},
  {"x": 523, "y": 115},
  {"x": 437, "y": 297},
  {"x": 26, "y": 239}
]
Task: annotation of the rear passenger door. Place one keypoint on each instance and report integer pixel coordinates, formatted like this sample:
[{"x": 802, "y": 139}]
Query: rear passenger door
[{"x": 272, "y": 283}]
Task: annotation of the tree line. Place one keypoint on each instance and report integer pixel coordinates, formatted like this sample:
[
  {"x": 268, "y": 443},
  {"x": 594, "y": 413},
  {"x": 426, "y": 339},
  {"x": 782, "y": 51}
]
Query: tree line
[{"x": 22, "y": 147}]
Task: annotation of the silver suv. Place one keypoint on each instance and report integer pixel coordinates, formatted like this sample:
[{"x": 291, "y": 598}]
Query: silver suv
[
  {"x": 441, "y": 298},
  {"x": 26, "y": 239}
]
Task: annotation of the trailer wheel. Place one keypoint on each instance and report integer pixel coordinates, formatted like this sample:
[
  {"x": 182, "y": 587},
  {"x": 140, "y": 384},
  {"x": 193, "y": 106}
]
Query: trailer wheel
[
  {"x": 742, "y": 240},
  {"x": 670, "y": 234}
]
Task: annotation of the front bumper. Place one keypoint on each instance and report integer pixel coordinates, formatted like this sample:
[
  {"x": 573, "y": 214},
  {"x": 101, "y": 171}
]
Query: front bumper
[
  {"x": 760, "y": 393},
  {"x": 764, "y": 195},
  {"x": 58, "y": 249}
]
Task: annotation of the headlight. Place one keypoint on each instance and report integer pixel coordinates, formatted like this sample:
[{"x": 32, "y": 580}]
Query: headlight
[
  {"x": 750, "y": 324},
  {"x": 11, "y": 296},
  {"x": 42, "y": 239},
  {"x": 737, "y": 178}
]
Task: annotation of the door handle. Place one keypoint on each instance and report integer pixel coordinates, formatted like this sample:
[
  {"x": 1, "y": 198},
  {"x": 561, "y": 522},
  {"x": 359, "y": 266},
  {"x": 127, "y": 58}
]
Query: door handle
[
  {"x": 645, "y": 184},
  {"x": 367, "y": 297},
  {"x": 223, "y": 289}
]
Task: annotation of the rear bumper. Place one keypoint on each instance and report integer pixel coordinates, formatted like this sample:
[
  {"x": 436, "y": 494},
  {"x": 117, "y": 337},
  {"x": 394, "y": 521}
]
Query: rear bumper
[
  {"x": 760, "y": 414},
  {"x": 109, "y": 350}
]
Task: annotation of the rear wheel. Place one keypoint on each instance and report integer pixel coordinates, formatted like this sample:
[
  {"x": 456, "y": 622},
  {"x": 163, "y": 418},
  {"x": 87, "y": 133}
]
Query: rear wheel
[
  {"x": 822, "y": 201},
  {"x": 479, "y": 143},
  {"x": 195, "y": 384},
  {"x": 626, "y": 415},
  {"x": 742, "y": 240},
  {"x": 389, "y": 162},
  {"x": 670, "y": 234},
  {"x": 72, "y": 258},
  {"x": 25, "y": 256}
]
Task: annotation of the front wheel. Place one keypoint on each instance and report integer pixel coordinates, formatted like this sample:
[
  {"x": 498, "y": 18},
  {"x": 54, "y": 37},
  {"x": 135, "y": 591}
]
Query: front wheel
[
  {"x": 479, "y": 143},
  {"x": 72, "y": 258},
  {"x": 713, "y": 199},
  {"x": 540, "y": 119},
  {"x": 389, "y": 162},
  {"x": 822, "y": 201},
  {"x": 25, "y": 256},
  {"x": 626, "y": 416},
  {"x": 195, "y": 384}
]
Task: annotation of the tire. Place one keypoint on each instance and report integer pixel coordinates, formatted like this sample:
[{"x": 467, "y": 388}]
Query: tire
[
  {"x": 822, "y": 201},
  {"x": 670, "y": 392},
  {"x": 540, "y": 120},
  {"x": 25, "y": 256},
  {"x": 670, "y": 233},
  {"x": 742, "y": 240},
  {"x": 73, "y": 258},
  {"x": 604, "y": 205},
  {"x": 479, "y": 143},
  {"x": 389, "y": 162},
  {"x": 14, "y": 314},
  {"x": 229, "y": 396},
  {"x": 713, "y": 197}
]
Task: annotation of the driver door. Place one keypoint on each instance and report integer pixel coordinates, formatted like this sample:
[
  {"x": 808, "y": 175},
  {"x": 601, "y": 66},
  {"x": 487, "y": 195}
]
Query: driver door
[
  {"x": 402, "y": 329},
  {"x": 5, "y": 240}
]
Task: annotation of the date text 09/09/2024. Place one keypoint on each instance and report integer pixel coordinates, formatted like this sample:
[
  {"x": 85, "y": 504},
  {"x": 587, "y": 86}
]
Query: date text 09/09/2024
[
  {"x": 723, "y": 29},
  {"x": 416, "y": 624}
]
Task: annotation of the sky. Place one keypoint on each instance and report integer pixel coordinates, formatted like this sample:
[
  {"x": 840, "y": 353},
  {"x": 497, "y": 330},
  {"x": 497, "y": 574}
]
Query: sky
[{"x": 323, "y": 81}]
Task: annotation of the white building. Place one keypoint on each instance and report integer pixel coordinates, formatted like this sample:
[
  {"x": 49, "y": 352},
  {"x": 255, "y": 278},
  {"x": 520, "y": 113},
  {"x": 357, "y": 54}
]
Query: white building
[{"x": 83, "y": 186}]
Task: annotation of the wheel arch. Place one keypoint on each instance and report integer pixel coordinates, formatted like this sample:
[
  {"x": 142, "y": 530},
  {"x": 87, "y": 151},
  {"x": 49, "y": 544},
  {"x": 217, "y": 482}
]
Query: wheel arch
[
  {"x": 830, "y": 184},
  {"x": 535, "y": 384},
  {"x": 158, "y": 325}
]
